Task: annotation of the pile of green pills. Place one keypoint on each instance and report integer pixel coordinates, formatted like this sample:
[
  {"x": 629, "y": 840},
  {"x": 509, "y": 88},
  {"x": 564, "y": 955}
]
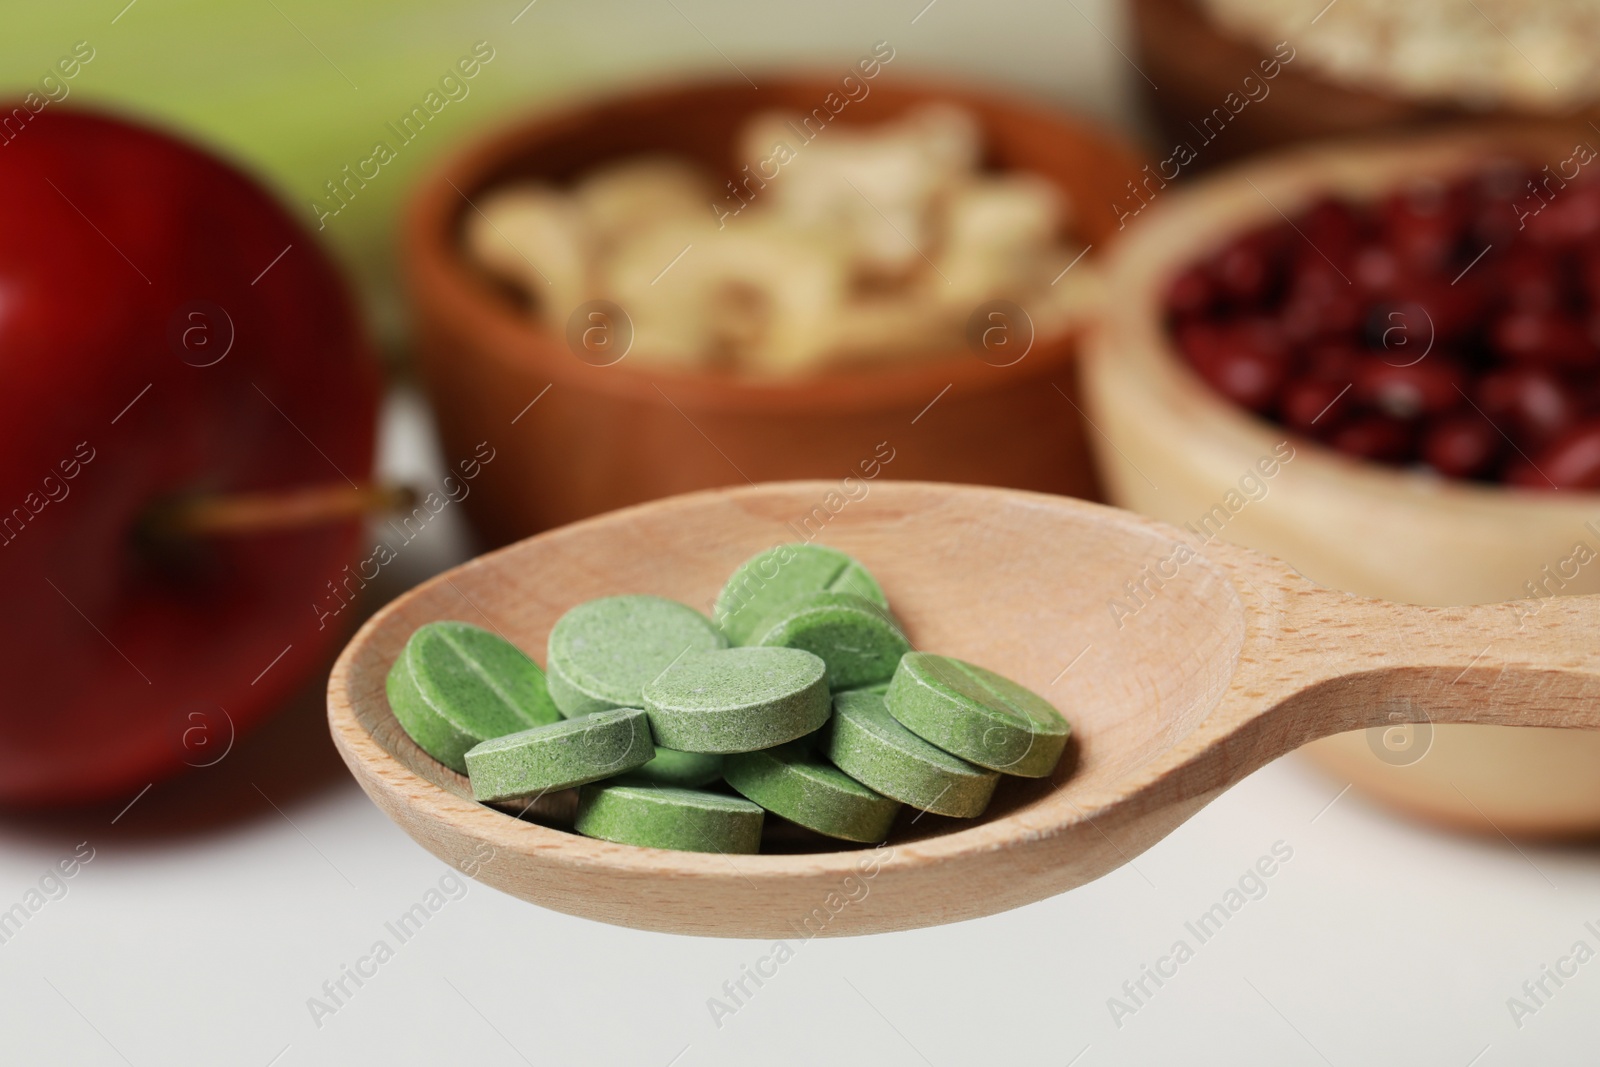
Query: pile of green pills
[{"x": 801, "y": 697}]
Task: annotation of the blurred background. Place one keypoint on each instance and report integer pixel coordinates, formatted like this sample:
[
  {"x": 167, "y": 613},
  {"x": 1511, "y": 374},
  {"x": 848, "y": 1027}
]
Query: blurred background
[{"x": 302, "y": 304}]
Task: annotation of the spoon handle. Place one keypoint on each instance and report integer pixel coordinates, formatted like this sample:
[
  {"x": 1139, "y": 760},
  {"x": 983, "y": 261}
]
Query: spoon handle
[{"x": 1533, "y": 662}]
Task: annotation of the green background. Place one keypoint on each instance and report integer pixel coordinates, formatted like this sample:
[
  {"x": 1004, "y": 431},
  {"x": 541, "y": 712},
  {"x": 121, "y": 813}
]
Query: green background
[{"x": 296, "y": 89}]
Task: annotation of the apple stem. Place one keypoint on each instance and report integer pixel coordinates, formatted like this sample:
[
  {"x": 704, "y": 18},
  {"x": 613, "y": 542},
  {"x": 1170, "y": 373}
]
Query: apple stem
[{"x": 268, "y": 510}]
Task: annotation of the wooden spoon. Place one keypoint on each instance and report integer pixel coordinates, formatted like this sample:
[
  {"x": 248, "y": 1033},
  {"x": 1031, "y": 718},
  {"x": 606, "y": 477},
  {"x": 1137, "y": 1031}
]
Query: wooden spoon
[{"x": 1183, "y": 664}]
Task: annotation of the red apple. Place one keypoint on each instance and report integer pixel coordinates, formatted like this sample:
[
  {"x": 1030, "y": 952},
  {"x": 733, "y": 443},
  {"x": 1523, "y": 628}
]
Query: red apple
[{"x": 166, "y": 330}]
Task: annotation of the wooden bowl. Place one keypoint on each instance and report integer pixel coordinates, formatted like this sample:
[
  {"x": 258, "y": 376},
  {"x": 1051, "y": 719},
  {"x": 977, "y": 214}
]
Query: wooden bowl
[
  {"x": 1195, "y": 64},
  {"x": 1176, "y": 448},
  {"x": 605, "y": 437}
]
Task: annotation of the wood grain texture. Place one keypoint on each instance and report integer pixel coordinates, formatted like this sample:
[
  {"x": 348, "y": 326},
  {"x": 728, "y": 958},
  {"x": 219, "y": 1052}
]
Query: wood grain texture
[
  {"x": 1175, "y": 447},
  {"x": 1232, "y": 661}
]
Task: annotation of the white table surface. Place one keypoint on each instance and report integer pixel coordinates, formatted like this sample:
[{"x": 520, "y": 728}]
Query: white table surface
[{"x": 216, "y": 906}]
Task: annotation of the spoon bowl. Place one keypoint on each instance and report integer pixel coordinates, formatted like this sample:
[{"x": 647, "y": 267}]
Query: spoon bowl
[{"x": 1183, "y": 663}]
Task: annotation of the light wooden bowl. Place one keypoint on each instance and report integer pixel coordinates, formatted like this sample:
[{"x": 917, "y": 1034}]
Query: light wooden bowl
[
  {"x": 1176, "y": 447},
  {"x": 1195, "y": 64},
  {"x": 606, "y": 437}
]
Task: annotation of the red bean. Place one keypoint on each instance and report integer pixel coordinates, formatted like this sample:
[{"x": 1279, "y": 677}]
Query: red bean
[
  {"x": 1244, "y": 270},
  {"x": 1249, "y": 378},
  {"x": 1377, "y": 269},
  {"x": 1191, "y": 293},
  {"x": 1588, "y": 277},
  {"x": 1334, "y": 361},
  {"x": 1243, "y": 360},
  {"x": 1439, "y": 310},
  {"x": 1429, "y": 387},
  {"x": 1201, "y": 341},
  {"x": 1314, "y": 406},
  {"x": 1256, "y": 334},
  {"x": 1522, "y": 474},
  {"x": 1374, "y": 437},
  {"x": 1572, "y": 461},
  {"x": 1584, "y": 395},
  {"x": 1546, "y": 338},
  {"x": 1494, "y": 192},
  {"x": 1334, "y": 227},
  {"x": 1571, "y": 217},
  {"x": 1318, "y": 302},
  {"x": 1531, "y": 281},
  {"x": 1461, "y": 446},
  {"x": 1421, "y": 224},
  {"x": 1529, "y": 403},
  {"x": 1404, "y": 331}
]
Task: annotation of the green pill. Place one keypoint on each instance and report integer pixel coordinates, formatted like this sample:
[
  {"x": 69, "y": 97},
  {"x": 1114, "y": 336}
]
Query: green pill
[
  {"x": 977, "y": 715},
  {"x": 631, "y": 812},
  {"x": 858, "y": 640},
  {"x": 871, "y": 746},
  {"x": 738, "y": 699},
  {"x": 456, "y": 685},
  {"x": 688, "y": 769},
  {"x": 602, "y": 653},
  {"x": 562, "y": 754},
  {"x": 792, "y": 782},
  {"x": 766, "y": 582}
]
